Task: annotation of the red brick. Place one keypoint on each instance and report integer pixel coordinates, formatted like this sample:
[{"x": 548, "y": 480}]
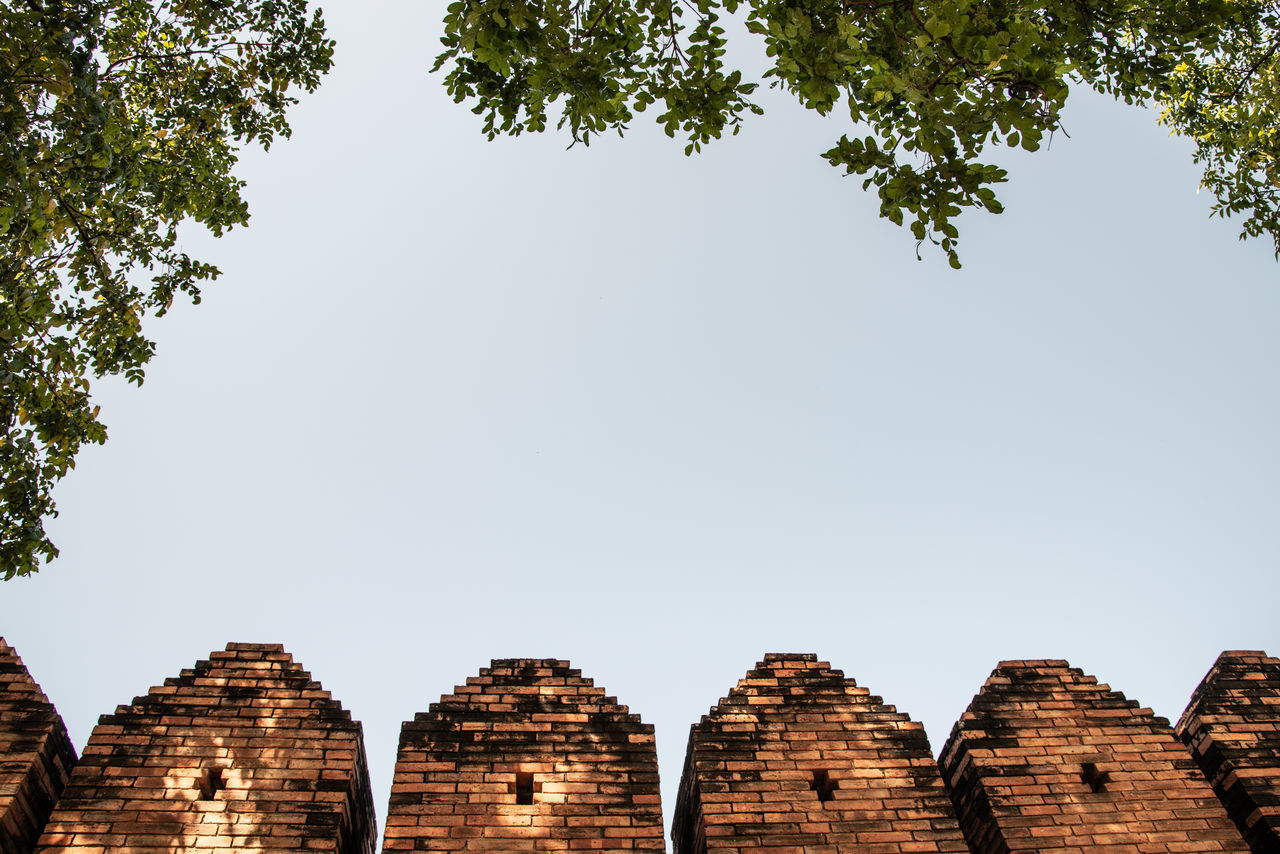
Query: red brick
[
  {"x": 793, "y": 722},
  {"x": 1046, "y": 757},
  {"x": 36, "y": 757},
  {"x": 593, "y": 764},
  {"x": 1232, "y": 727},
  {"x": 252, "y": 712}
]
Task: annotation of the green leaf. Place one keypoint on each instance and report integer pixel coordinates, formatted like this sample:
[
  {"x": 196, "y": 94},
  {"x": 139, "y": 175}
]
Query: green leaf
[{"x": 150, "y": 106}]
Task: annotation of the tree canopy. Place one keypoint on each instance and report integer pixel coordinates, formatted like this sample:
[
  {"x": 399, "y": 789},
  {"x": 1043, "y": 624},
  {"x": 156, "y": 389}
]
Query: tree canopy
[
  {"x": 119, "y": 122},
  {"x": 928, "y": 85}
]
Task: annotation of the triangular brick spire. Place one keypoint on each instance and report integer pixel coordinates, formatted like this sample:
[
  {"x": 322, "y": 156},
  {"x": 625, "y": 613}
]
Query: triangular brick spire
[
  {"x": 1046, "y": 758},
  {"x": 527, "y": 756},
  {"x": 244, "y": 750},
  {"x": 1232, "y": 727},
  {"x": 799, "y": 758},
  {"x": 36, "y": 756}
]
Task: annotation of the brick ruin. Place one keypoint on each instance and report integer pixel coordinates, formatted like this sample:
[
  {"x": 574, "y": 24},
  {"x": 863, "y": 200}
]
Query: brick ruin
[
  {"x": 799, "y": 758},
  {"x": 1046, "y": 758},
  {"x": 527, "y": 756},
  {"x": 1232, "y": 727},
  {"x": 36, "y": 756},
  {"x": 246, "y": 751}
]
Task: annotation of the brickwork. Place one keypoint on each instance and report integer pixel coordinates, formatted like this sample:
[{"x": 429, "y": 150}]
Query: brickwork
[
  {"x": 798, "y": 759},
  {"x": 36, "y": 756},
  {"x": 527, "y": 756},
  {"x": 1232, "y": 727},
  {"x": 1045, "y": 759},
  {"x": 246, "y": 751},
  {"x": 243, "y": 751}
]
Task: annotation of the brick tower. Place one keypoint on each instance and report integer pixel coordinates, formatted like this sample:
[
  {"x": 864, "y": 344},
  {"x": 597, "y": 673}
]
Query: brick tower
[
  {"x": 1047, "y": 759},
  {"x": 36, "y": 756},
  {"x": 244, "y": 751},
  {"x": 1232, "y": 727},
  {"x": 800, "y": 759},
  {"x": 527, "y": 756}
]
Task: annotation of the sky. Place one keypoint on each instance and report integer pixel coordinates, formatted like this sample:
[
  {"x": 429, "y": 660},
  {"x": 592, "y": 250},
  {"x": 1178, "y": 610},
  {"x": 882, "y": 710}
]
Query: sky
[{"x": 455, "y": 400}]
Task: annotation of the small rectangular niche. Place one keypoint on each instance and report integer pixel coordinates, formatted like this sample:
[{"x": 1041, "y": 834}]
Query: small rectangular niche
[
  {"x": 823, "y": 785},
  {"x": 209, "y": 783},
  {"x": 524, "y": 787},
  {"x": 1094, "y": 777}
]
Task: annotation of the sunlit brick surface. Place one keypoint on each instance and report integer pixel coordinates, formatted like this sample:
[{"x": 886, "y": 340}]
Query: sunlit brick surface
[
  {"x": 800, "y": 759},
  {"x": 242, "y": 752},
  {"x": 1046, "y": 759},
  {"x": 525, "y": 730},
  {"x": 35, "y": 755},
  {"x": 1232, "y": 727}
]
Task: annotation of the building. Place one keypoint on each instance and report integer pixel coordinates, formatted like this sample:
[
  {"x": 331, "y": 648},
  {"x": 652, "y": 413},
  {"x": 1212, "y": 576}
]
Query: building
[{"x": 245, "y": 751}]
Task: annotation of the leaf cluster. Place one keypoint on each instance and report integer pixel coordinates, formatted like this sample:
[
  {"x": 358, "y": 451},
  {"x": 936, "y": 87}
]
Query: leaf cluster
[
  {"x": 1226, "y": 98},
  {"x": 119, "y": 121},
  {"x": 604, "y": 60},
  {"x": 930, "y": 85}
]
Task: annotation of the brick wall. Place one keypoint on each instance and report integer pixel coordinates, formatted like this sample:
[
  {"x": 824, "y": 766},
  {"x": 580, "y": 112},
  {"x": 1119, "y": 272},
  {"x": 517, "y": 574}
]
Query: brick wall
[
  {"x": 1232, "y": 727},
  {"x": 36, "y": 756},
  {"x": 244, "y": 750},
  {"x": 1046, "y": 759},
  {"x": 527, "y": 756},
  {"x": 800, "y": 759}
]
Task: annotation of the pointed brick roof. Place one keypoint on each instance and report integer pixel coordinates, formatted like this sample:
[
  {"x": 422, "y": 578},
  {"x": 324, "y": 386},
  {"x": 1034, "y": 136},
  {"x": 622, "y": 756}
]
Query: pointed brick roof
[
  {"x": 36, "y": 756},
  {"x": 799, "y": 758},
  {"x": 1046, "y": 758},
  {"x": 1232, "y": 727},
  {"x": 243, "y": 750},
  {"x": 526, "y": 756}
]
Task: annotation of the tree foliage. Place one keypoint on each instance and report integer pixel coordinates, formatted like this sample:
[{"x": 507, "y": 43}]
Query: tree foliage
[
  {"x": 930, "y": 84},
  {"x": 119, "y": 122},
  {"x": 1227, "y": 99}
]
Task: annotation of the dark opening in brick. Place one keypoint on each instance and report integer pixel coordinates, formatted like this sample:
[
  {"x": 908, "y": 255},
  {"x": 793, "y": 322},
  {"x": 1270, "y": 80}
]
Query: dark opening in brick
[
  {"x": 823, "y": 785},
  {"x": 1094, "y": 777},
  {"x": 210, "y": 783},
  {"x": 524, "y": 787}
]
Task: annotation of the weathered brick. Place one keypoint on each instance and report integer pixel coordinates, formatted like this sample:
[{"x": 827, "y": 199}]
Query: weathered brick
[
  {"x": 228, "y": 776},
  {"x": 527, "y": 756},
  {"x": 799, "y": 758},
  {"x": 1047, "y": 758},
  {"x": 1232, "y": 727},
  {"x": 36, "y": 757}
]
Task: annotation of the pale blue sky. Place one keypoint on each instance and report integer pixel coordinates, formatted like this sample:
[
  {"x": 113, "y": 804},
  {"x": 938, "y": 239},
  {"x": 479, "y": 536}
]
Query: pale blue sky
[{"x": 456, "y": 400}]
